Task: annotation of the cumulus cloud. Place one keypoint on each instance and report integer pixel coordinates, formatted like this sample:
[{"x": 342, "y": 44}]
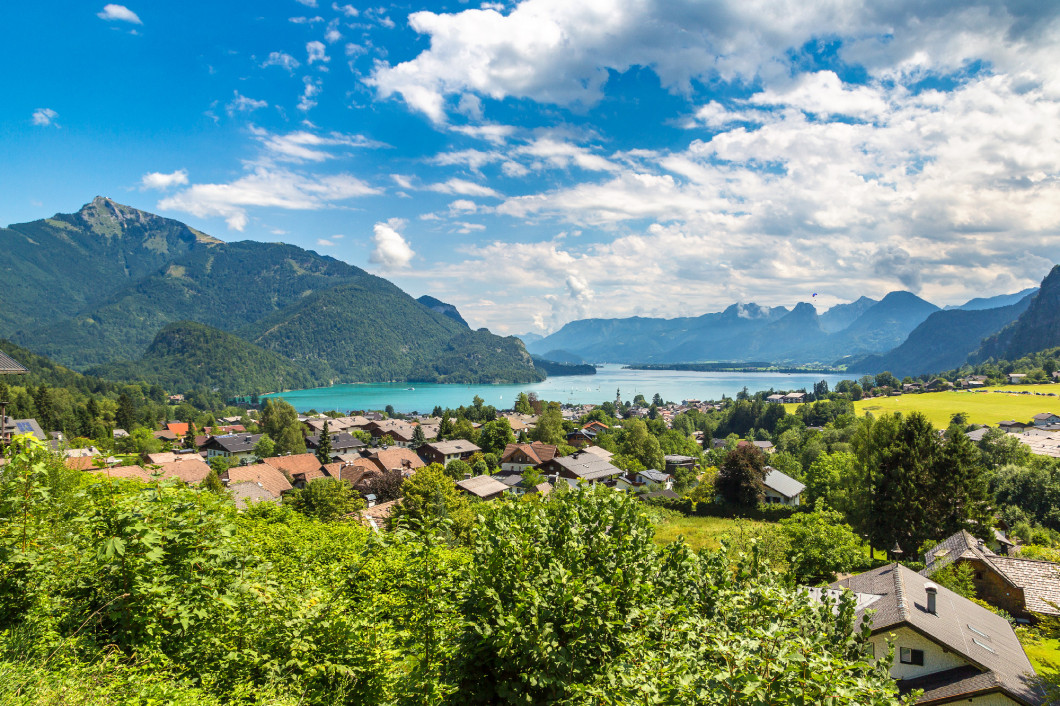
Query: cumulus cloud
[
  {"x": 312, "y": 89},
  {"x": 118, "y": 13},
  {"x": 347, "y": 10},
  {"x": 243, "y": 104},
  {"x": 316, "y": 51},
  {"x": 162, "y": 181},
  {"x": 279, "y": 58},
  {"x": 329, "y": 241},
  {"x": 391, "y": 251},
  {"x": 44, "y": 117},
  {"x": 269, "y": 187}
]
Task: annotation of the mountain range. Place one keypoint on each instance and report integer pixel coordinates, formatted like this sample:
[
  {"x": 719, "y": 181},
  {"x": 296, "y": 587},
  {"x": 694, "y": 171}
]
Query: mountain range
[
  {"x": 100, "y": 289},
  {"x": 901, "y": 333}
]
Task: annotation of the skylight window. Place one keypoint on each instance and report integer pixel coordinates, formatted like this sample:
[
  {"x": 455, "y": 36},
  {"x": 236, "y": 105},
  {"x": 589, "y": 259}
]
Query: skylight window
[
  {"x": 988, "y": 649},
  {"x": 980, "y": 632}
]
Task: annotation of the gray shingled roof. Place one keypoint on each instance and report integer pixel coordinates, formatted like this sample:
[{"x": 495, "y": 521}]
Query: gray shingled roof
[
  {"x": 10, "y": 366},
  {"x": 782, "y": 483},
  {"x": 481, "y": 486},
  {"x": 456, "y": 446},
  {"x": 654, "y": 476},
  {"x": 958, "y": 624},
  {"x": 236, "y": 443},
  {"x": 587, "y": 466}
]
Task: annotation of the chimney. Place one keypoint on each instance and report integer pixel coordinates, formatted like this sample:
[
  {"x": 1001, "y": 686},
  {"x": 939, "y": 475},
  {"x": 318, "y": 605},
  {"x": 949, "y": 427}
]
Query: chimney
[{"x": 932, "y": 593}]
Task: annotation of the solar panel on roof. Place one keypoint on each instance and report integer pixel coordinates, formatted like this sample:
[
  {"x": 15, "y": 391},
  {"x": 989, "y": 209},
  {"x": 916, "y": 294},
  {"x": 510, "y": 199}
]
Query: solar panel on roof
[{"x": 24, "y": 427}]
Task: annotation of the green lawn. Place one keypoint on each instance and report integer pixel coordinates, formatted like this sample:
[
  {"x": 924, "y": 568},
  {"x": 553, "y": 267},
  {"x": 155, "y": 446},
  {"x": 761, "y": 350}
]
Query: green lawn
[
  {"x": 981, "y": 407},
  {"x": 702, "y": 532},
  {"x": 1044, "y": 654}
]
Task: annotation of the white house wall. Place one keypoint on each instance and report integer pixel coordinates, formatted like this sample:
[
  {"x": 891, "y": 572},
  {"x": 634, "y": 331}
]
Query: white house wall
[{"x": 935, "y": 660}]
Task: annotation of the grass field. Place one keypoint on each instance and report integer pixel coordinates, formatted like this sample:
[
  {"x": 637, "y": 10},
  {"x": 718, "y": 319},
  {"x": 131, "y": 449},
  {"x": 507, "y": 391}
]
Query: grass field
[
  {"x": 1044, "y": 654},
  {"x": 702, "y": 532},
  {"x": 981, "y": 407}
]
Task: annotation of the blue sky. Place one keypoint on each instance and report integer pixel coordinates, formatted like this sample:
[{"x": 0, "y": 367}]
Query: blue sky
[{"x": 539, "y": 161}]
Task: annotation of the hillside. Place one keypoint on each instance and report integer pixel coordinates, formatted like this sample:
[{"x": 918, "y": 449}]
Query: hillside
[
  {"x": 188, "y": 355},
  {"x": 55, "y": 267},
  {"x": 842, "y": 315},
  {"x": 943, "y": 341},
  {"x": 1036, "y": 329},
  {"x": 137, "y": 273},
  {"x": 995, "y": 302},
  {"x": 442, "y": 308}
]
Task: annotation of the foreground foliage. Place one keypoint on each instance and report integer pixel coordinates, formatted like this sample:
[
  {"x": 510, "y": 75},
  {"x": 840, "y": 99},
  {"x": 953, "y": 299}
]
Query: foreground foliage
[{"x": 123, "y": 592}]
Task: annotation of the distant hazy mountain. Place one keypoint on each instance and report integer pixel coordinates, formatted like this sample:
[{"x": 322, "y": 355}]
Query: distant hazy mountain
[
  {"x": 442, "y": 308},
  {"x": 529, "y": 338},
  {"x": 562, "y": 357},
  {"x": 842, "y": 315},
  {"x": 96, "y": 287},
  {"x": 944, "y": 340},
  {"x": 746, "y": 332},
  {"x": 994, "y": 302},
  {"x": 1036, "y": 329}
]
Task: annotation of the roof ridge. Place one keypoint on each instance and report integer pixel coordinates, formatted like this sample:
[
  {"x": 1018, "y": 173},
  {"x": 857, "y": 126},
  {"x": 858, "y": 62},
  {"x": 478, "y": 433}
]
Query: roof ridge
[{"x": 899, "y": 592}]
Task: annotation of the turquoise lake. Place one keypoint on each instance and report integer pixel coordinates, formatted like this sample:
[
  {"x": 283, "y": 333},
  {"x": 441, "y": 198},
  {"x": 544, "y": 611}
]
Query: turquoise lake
[{"x": 578, "y": 389}]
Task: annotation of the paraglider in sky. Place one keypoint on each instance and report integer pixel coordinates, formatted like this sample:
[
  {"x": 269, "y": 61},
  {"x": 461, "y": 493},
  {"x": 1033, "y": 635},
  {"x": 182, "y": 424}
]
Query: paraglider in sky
[{"x": 815, "y": 294}]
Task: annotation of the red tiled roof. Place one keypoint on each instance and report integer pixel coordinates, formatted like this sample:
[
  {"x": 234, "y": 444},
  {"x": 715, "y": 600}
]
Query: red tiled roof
[
  {"x": 261, "y": 473},
  {"x": 191, "y": 470},
  {"x": 397, "y": 457},
  {"x": 178, "y": 428},
  {"x": 306, "y": 465},
  {"x": 80, "y": 463}
]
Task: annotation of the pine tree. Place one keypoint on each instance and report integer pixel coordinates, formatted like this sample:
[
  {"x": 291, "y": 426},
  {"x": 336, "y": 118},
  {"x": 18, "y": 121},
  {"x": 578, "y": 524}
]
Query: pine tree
[
  {"x": 445, "y": 428},
  {"x": 418, "y": 437},
  {"x": 126, "y": 414},
  {"x": 189, "y": 437},
  {"x": 213, "y": 483},
  {"x": 324, "y": 448}
]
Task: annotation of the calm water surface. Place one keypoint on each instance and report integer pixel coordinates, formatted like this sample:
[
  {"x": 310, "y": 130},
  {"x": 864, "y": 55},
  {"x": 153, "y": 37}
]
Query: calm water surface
[{"x": 673, "y": 385}]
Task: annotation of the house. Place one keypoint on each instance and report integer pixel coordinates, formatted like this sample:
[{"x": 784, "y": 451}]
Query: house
[
  {"x": 445, "y": 451},
  {"x": 976, "y": 435},
  {"x": 765, "y": 447},
  {"x": 645, "y": 479},
  {"x": 596, "y": 426},
  {"x": 1016, "y": 378},
  {"x": 119, "y": 434},
  {"x": 1044, "y": 419},
  {"x": 13, "y": 427},
  {"x": 396, "y": 458},
  {"x": 191, "y": 470},
  {"x": 482, "y": 487},
  {"x": 176, "y": 399},
  {"x": 580, "y": 438},
  {"x": 341, "y": 443},
  {"x": 582, "y": 466},
  {"x": 260, "y": 475},
  {"x": 165, "y": 435},
  {"x": 177, "y": 428},
  {"x": 398, "y": 430},
  {"x": 1025, "y": 588},
  {"x": 378, "y": 516},
  {"x": 794, "y": 398},
  {"x": 516, "y": 458},
  {"x": 300, "y": 468},
  {"x": 233, "y": 446},
  {"x": 938, "y": 384},
  {"x": 1011, "y": 426},
  {"x": 946, "y": 645},
  {"x": 673, "y": 462},
  {"x": 598, "y": 451},
  {"x": 775, "y": 398},
  {"x": 782, "y": 489}
]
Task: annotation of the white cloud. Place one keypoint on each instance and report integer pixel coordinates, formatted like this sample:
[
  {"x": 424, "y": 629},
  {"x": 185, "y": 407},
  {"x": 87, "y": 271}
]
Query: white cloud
[
  {"x": 44, "y": 117},
  {"x": 347, "y": 10},
  {"x": 329, "y": 241},
  {"x": 332, "y": 35},
  {"x": 268, "y": 187},
  {"x": 305, "y": 146},
  {"x": 464, "y": 187},
  {"x": 279, "y": 58},
  {"x": 243, "y": 104},
  {"x": 316, "y": 51},
  {"x": 118, "y": 13},
  {"x": 309, "y": 93},
  {"x": 307, "y": 3},
  {"x": 160, "y": 180},
  {"x": 391, "y": 251},
  {"x": 491, "y": 132}
]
